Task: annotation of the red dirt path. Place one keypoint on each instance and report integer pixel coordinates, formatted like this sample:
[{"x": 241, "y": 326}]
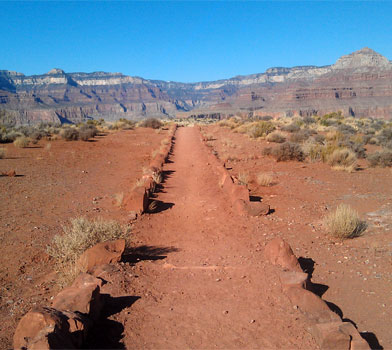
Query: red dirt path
[{"x": 214, "y": 289}]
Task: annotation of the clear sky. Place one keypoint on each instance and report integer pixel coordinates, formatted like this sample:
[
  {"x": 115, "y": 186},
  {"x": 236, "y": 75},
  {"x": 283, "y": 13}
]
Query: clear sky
[{"x": 187, "y": 41}]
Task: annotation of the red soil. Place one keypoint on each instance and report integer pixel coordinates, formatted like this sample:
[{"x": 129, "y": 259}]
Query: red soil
[
  {"x": 196, "y": 277},
  {"x": 357, "y": 273},
  {"x": 57, "y": 181},
  {"x": 214, "y": 289}
]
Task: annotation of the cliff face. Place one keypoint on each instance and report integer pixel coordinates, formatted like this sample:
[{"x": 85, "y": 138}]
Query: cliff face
[{"x": 359, "y": 84}]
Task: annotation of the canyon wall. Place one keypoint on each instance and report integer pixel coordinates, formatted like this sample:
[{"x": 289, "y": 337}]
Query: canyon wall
[{"x": 359, "y": 84}]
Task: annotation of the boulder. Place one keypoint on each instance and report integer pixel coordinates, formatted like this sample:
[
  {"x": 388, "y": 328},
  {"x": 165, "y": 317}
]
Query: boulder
[
  {"x": 239, "y": 192},
  {"x": 83, "y": 296},
  {"x": 329, "y": 336},
  {"x": 48, "y": 328},
  {"x": 357, "y": 342},
  {"x": 245, "y": 208},
  {"x": 290, "y": 279},
  {"x": 314, "y": 308},
  {"x": 137, "y": 200},
  {"x": 102, "y": 253},
  {"x": 278, "y": 252}
]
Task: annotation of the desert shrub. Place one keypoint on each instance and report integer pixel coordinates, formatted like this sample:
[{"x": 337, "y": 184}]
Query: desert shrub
[
  {"x": 288, "y": 151},
  {"x": 8, "y": 136},
  {"x": 126, "y": 124},
  {"x": 319, "y": 138},
  {"x": 265, "y": 118},
  {"x": 2, "y": 153},
  {"x": 87, "y": 131},
  {"x": 243, "y": 178},
  {"x": 344, "y": 222},
  {"x": 276, "y": 136},
  {"x": 22, "y": 142},
  {"x": 267, "y": 151},
  {"x": 37, "y": 135},
  {"x": 79, "y": 236},
  {"x": 382, "y": 159},
  {"x": 151, "y": 123},
  {"x": 373, "y": 141},
  {"x": 299, "y": 136},
  {"x": 343, "y": 159},
  {"x": 229, "y": 123},
  {"x": 264, "y": 179},
  {"x": 315, "y": 152},
  {"x": 69, "y": 134},
  {"x": 308, "y": 120},
  {"x": 346, "y": 129},
  {"x": 261, "y": 128},
  {"x": 335, "y": 136},
  {"x": 291, "y": 127}
]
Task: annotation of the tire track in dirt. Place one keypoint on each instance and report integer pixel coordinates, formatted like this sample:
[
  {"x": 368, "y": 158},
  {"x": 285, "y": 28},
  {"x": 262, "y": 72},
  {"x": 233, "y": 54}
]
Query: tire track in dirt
[{"x": 202, "y": 281}]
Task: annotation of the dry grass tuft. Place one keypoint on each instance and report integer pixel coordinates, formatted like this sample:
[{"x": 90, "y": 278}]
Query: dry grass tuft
[
  {"x": 157, "y": 177},
  {"x": 344, "y": 223},
  {"x": 243, "y": 178},
  {"x": 118, "y": 199},
  {"x": 276, "y": 136},
  {"x": 264, "y": 179},
  {"x": 343, "y": 159},
  {"x": 22, "y": 142},
  {"x": 77, "y": 238}
]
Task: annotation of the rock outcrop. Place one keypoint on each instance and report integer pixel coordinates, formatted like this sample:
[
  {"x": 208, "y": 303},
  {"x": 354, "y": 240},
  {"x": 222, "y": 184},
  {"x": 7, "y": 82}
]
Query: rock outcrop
[{"x": 358, "y": 84}]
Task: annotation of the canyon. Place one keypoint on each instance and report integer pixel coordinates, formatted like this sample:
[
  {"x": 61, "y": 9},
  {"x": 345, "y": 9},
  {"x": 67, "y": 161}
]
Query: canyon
[{"x": 358, "y": 84}]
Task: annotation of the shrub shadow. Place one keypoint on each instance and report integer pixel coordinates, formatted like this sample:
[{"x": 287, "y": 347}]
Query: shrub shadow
[{"x": 145, "y": 252}]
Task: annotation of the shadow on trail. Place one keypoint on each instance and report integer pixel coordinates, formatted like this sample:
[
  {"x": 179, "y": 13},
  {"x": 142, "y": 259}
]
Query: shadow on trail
[
  {"x": 146, "y": 252},
  {"x": 106, "y": 333},
  {"x": 307, "y": 265}
]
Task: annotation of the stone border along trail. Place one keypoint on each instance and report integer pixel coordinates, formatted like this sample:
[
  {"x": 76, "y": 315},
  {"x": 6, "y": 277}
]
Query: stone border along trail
[
  {"x": 203, "y": 277},
  {"x": 214, "y": 288}
]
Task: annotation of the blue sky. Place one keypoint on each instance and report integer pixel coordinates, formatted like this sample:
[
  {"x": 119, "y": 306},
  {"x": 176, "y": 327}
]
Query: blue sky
[{"x": 187, "y": 41}]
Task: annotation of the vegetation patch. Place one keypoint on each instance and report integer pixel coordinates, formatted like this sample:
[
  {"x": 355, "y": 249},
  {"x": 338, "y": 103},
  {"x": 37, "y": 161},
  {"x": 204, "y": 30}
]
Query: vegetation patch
[
  {"x": 78, "y": 237},
  {"x": 382, "y": 159},
  {"x": 22, "y": 142},
  {"x": 288, "y": 151},
  {"x": 151, "y": 123},
  {"x": 343, "y": 159},
  {"x": 344, "y": 222},
  {"x": 264, "y": 179}
]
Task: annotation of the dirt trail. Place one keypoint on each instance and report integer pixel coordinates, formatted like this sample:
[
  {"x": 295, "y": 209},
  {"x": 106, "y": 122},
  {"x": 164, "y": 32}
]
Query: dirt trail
[{"x": 200, "y": 275}]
